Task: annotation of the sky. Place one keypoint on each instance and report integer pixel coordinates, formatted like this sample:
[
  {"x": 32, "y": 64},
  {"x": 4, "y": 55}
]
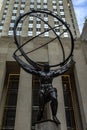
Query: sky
[{"x": 80, "y": 7}]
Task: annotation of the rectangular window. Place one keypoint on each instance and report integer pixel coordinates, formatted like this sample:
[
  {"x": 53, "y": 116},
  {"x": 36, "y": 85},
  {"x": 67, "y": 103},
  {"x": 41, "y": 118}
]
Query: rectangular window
[
  {"x": 30, "y": 33},
  {"x": 46, "y": 34},
  {"x": 68, "y": 101},
  {"x": 10, "y": 33},
  {"x": 11, "y": 102}
]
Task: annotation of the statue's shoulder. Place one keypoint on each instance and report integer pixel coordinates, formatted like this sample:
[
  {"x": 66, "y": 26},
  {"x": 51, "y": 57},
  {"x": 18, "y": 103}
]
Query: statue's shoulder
[{"x": 42, "y": 73}]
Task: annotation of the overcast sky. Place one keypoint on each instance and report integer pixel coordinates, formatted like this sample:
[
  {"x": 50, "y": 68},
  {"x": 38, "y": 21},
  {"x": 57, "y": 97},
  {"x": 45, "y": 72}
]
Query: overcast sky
[{"x": 80, "y": 7}]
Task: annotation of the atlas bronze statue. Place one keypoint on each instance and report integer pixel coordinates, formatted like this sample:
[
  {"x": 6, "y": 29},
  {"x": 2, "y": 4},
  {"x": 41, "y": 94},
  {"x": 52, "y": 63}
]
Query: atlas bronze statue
[{"x": 46, "y": 75}]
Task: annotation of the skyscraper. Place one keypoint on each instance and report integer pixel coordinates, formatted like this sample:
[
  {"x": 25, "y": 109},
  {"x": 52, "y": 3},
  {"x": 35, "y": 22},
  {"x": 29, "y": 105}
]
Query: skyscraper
[
  {"x": 18, "y": 89},
  {"x": 12, "y": 9}
]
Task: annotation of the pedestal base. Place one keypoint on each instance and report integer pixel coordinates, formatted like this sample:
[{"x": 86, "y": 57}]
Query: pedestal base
[{"x": 47, "y": 125}]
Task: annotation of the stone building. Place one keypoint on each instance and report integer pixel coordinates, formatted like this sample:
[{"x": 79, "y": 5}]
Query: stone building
[
  {"x": 19, "y": 90},
  {"x": 12, "y": 9}
]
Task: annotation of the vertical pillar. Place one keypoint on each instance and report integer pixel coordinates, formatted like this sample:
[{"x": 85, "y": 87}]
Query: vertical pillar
[
  {"x": 23, "y": 111},
  {"x": 2, "y": 76},
  {"x": 81, "y": 84},
  {"x": 54, "y": 51}
]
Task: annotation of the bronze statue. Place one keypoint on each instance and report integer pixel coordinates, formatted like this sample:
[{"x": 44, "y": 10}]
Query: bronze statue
[
  {"x": 47, "y": 92},
  {"x": 46, "y": 75}
]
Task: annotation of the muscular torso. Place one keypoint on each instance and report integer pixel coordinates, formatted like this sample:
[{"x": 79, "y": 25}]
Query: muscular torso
[
  {"x": 46, "y": 78},
  {"x": 47, "y": 90},
  {"x": 46, "y": 83}
]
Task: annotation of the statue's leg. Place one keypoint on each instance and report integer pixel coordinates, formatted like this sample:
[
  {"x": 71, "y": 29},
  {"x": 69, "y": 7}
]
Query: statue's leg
[
  {"x": 41, "y": 106},
  {"x": 54, "y": 105}
]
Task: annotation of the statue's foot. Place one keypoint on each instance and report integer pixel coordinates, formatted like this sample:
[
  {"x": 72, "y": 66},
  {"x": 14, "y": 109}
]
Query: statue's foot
[{"x": 56, "y": 120}]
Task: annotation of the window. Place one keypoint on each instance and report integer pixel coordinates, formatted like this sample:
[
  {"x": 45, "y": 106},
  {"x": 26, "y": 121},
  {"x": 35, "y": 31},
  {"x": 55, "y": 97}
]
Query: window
[
  {"x": 55, "y": 10},
  {"x": 57, "y": 30},
  {"x": 70, "y": 119},
  {"x": 13, "y": 14},
  {"x": 38, "y": 22},
  {"x": 11, "y": 102},
  {"x": 30, "y": 33},
  {"x": 62, "y": 16},
  {"x": 60, "y": 2},
  {"x": 30, "y": 21},
  {"x": 63, "y": 19},
  {"x": 38, "y": 32},
  {"x": 21, "y": 11},
  {"x": 46, "y": 18},
  {"x": 32, "y": 6},
  {"x": 0, "y": 31},
  {"x": 30, "y": 18},
  {"x": 45, "y": 6},
  {"x": 38, "y": 15},
  {"x": 72, "y": 111},
  {"x": 30, "y": 29},
  {"x": 56, "y": 22},
  {"x": 15, "y": 5},
  {"x": 16, "y": 2},
  {"x": 30, "y": 25},
  {"x": 45, "y": 26},
  {"x": 20, "y": 25},
  {"x": 38, "y": 29},
  {"x": 13, "y": 17},
  {"x": 46, "y": 34},
  {"x": 44, "y": 3},
  {"x": 31, "y": 3},
  {"x": 38, "y": 25},
  {"x": 13, "y": 21},
  {"x": 39, "y": 1},
  {"x": 65, "y": 34},
  {"x": 61, "y": 10},
  {"x": 10, "y": 33},
  {"x": 61, "y": 7},
  {"x": 19, "y": 32},
  {"x": 14, "y": 11},
  {"x": 22, "y": 6},
  {"x": 61, "y": 13},
  {"x": 22, "y": 2},
  {"x": 54, "y": 7},
  {"x": 15, "y": 8},
  {"x": 10, "y": 28},
  {"x": 1, "y": 27}
]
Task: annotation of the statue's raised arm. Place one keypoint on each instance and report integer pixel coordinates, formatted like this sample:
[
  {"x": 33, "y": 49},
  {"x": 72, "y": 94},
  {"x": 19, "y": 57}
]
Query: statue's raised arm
[
  {"x": 63, "y": 68},
  {"x": 25, "y": 66}
]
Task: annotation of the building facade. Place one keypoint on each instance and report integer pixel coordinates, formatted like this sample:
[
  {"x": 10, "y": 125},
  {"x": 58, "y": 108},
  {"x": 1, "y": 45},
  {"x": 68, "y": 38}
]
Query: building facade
[
  {"x": 12, "y": 9},
  {"x": 19, "y": 90}
]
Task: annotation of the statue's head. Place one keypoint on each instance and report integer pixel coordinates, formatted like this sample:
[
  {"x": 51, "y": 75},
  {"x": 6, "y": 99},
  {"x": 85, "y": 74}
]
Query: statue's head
[{"x": 46, "y": 67}]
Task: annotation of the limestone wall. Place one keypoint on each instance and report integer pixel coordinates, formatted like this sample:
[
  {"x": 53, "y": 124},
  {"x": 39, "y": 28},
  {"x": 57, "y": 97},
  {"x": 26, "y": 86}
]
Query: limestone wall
[{"x": 47, "y": 54}]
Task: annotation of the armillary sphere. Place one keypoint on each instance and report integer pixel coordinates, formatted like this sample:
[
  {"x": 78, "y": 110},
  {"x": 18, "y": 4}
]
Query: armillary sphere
[{"x": 40, "y": 17}]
